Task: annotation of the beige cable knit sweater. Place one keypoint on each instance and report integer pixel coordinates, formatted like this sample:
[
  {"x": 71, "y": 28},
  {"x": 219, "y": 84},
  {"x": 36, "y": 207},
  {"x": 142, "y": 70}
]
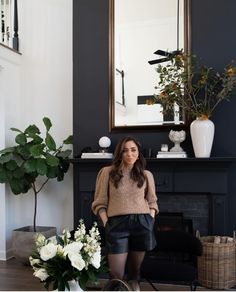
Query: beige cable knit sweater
[{"x": 128, "y": 198}]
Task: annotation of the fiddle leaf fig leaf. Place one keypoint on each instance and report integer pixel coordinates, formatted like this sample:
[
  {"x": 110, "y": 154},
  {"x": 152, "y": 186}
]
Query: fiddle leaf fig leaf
[
  {"x": 60, "y": 174},
  {"x": 64, "y": 154},
  {"x": 68, "y": 140},
  {"x": 37, "y": 139},
  {"x": 41, "y": 166},
  {"x": 23, "y": 151},
  {"x": 50, "y": 142},
  {"x": 17, "y": 158},
  {"x": 3, "y": 176},
  {"x": 47, "y": 123},
  {"x": 7, "y": 150},
  {"x": 11, "y": 165},
  {"x": 52, "y": 172},
  {"x": 6, "y": 157},
  {"x": 9, "y": 175},
  {"x": 30, "y": 165},
  {"x": 21, "y": 139},
  {"x": 37, "y": 150},
  {"x": 16, "y": 186},
  {"x": 16, "y": 130},
  {"x": 52, "y": 160},
  {"x": 32, "y": 130},
  {"x": 18, "y": 173},
  {"x": 65, "y": 163}
]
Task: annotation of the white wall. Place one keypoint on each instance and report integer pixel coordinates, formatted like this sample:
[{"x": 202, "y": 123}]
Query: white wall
[{"x": 40, "y": 85}]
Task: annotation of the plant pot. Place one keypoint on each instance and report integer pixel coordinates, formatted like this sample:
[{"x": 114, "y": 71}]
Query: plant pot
[
  {"x": 23, "y": 241},
  {"x": 202, "y": 134}
]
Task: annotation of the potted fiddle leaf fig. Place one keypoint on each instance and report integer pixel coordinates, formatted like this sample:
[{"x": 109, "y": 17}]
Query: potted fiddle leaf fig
[{"x": 28, "y": 166}]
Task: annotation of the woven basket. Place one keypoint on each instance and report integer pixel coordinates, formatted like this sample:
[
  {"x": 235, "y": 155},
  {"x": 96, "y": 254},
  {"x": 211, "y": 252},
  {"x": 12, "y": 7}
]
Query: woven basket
[{"x": 216, "y": 267}]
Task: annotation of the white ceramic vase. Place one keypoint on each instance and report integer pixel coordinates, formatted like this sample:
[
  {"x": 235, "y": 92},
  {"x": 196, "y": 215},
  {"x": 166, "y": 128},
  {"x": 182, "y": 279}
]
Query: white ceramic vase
[
  {"x": 74, "y": 286},
  {"x": 202, "y": 133}
]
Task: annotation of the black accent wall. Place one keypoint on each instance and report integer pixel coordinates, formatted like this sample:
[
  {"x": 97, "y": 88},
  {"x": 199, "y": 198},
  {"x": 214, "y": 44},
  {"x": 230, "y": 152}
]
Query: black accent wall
[{"x": 213, "y": 39}]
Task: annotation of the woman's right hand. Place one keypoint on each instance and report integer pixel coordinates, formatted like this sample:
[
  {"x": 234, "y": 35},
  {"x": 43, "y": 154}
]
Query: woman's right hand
[
  {"x": 103, "y": 216},
  {"x": 105, "y": 222}
]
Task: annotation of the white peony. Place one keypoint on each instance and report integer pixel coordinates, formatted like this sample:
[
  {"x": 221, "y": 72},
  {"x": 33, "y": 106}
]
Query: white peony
[
  {"x": 96, "y": 260},
  {"x": 73, "y": 247},
  {"x": 41, "y": 274},
  {"x": 48, "y": 251},
  {"x": 77, "y": 261}
]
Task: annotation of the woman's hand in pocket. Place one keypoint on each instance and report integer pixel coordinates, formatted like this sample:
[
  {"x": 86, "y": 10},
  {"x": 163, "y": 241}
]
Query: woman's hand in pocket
[
  {"x": 153, "y": 213},
  {"x": 105, "y": 222}
]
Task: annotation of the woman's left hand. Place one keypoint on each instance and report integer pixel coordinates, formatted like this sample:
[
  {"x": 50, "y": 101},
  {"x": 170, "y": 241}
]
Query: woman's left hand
[{"x": 152, "y": 212}]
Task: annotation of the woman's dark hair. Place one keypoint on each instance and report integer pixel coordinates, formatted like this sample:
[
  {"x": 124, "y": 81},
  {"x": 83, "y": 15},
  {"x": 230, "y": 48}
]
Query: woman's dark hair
[{"x": 137, "y": 172}]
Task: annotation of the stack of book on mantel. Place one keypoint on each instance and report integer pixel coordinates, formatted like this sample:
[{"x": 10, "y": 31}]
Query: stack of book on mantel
[
  {"x": 169, "y": 154},
  {"x": 95, "y": 155}
]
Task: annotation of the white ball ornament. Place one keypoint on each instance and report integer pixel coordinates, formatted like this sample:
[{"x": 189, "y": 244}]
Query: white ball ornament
[{"x": 104, "y": 142}]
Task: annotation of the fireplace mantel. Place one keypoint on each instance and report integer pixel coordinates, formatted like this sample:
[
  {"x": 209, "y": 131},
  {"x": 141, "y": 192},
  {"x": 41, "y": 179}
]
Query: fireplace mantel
[{"x": 173, "y": 176}]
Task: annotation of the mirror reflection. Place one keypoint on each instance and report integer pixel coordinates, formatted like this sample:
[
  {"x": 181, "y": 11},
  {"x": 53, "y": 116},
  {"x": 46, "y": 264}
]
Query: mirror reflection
[{"x": 140, "y": 30}]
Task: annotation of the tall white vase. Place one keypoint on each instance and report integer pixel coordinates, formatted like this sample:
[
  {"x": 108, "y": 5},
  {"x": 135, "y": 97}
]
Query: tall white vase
[{"x": 202, "y": 134}]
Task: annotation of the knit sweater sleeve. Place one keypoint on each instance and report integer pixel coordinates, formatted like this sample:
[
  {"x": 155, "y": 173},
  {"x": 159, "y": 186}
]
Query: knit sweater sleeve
[
  {"x": 101, "y": 190},
  {"x": 151, "y": 196}
]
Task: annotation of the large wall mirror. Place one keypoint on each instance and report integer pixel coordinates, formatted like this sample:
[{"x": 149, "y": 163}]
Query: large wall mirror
[{"x": 138, "y": 28}]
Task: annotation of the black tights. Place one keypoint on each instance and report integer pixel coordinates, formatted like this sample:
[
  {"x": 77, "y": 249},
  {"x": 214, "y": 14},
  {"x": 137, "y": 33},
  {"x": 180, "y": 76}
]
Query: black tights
[{"x": 117, "y": 263}]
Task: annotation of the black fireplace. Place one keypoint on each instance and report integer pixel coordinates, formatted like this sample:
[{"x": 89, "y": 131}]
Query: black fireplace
[{"x": 195, "y": 187}]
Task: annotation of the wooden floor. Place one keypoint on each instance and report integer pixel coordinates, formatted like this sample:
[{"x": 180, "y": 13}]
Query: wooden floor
[{"x": 16, "y": 277}]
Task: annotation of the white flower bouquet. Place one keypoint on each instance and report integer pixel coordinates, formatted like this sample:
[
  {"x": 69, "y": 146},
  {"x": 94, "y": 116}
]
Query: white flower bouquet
[{"x": 61, "y": 259}]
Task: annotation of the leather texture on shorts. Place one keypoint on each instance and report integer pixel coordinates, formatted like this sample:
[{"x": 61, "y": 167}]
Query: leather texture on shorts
[{"x": 132, "y": 232}]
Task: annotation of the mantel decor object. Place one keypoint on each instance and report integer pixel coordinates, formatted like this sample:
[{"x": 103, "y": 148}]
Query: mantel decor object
[
  {"x": 176, "y": 151},
  {"x": 177, "y": 137},
  {"x": 104, "y": 142},
  {"x": 202, "y": 133}
]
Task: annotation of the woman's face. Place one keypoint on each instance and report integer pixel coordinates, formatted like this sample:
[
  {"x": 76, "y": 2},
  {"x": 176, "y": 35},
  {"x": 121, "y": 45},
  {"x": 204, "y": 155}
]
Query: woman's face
[{"x": 130, "y": 153}]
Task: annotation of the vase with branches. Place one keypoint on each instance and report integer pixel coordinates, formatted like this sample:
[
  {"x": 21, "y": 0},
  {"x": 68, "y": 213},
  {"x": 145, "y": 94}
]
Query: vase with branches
[{"x": 186, "y": 84}]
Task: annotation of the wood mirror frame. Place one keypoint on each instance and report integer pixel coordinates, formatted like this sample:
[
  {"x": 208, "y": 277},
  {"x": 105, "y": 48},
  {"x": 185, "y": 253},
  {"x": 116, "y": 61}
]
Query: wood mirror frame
[{"x": 187, "y": 49}]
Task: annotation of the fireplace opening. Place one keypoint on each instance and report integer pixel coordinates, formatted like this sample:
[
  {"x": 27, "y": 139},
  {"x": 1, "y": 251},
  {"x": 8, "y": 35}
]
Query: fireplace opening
[
  {"x": 172, "y": 221},
  {"x": 196, "y": 208},
  {"x": 167, "y": 221}
]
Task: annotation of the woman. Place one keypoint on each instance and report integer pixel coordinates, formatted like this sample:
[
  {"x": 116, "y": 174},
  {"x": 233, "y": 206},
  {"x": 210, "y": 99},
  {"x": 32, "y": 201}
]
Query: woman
[{"x": 126, "y": 202}]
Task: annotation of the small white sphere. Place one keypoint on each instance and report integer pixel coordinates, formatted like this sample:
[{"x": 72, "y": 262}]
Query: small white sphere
[{"x": 104, "y": 142}]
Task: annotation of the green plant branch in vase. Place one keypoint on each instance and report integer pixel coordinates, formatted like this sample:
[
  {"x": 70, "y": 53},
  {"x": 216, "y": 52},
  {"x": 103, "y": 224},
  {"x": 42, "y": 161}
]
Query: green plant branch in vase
[
  {"x": 33, "y": 157},
  {"x": 195, "y": 88}
]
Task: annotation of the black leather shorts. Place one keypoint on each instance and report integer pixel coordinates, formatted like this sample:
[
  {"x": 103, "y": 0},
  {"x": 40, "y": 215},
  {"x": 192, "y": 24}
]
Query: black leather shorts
[{"x": 132, "y": 232}]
